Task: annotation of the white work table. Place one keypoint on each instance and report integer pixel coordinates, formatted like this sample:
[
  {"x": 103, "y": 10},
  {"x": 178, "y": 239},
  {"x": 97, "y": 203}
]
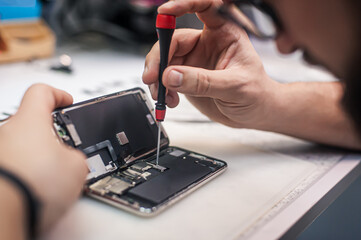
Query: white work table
[{"x": 274, "y": 186}]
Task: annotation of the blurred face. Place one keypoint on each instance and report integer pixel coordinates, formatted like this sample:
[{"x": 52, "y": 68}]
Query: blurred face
[
  {"x": 324, "y": 29},
  {"x": 329, "y": 33}
]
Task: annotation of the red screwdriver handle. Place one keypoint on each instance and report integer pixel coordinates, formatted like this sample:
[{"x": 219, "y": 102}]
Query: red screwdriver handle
[
  {"x": 165, "y": 21},
  {"x": 165, "y": 27}
]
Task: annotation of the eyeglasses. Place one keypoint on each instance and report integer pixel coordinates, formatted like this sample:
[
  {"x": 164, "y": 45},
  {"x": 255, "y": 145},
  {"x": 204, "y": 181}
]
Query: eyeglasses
[{"x": 255, "y": 16}]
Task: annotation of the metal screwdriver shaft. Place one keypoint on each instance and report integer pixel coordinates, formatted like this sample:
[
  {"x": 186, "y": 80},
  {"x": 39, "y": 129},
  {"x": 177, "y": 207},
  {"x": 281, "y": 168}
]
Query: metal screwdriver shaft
[
  {"x": 158, "y": 145},
  {"x": 165, "y": 27}
]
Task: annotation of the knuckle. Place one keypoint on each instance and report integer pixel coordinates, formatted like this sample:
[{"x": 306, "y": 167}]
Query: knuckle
[
  {"x": 40, "y": 91},
  {"x": 203, "y": 83}
]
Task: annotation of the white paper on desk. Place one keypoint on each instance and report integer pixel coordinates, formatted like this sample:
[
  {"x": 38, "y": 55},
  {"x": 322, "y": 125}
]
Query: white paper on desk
[{"x": 222, "y": 209}]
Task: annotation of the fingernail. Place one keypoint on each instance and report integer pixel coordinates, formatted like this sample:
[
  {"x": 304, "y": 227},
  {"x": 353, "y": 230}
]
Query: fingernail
[
  {"x": 175, "y": 78},
  {"x": 151, "y": 88},
  {"x": 168, "y": 4},
  {"x": 153, "y": 91}
]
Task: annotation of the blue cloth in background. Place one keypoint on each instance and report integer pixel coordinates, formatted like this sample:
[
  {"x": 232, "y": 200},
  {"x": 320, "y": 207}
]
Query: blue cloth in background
[
  {"x": 19, "y": 9},
  {"x": 18, "y": 3}
]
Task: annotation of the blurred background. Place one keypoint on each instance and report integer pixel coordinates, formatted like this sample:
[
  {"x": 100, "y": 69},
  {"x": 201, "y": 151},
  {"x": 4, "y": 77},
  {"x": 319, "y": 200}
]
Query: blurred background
[
  {"x": 129, "y": 22},
  {"x": 95, "y": 47}
]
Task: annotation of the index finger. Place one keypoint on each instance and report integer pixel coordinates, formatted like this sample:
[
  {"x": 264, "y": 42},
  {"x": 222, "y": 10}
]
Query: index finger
[
  {"x": 205, "y": 9},
  {"x": 182, "y": 43}
]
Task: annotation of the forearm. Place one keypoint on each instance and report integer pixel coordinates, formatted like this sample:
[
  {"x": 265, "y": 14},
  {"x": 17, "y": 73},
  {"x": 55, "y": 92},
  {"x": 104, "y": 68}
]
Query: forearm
[
  {"x": 12, "y": 218},
  {"x": 312, "y": 111}
]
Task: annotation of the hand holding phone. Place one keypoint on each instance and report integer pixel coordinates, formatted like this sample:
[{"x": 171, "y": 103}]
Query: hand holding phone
[{"x": 54, "y": 172}]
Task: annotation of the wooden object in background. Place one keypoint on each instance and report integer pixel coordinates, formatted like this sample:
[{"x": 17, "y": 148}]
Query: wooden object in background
[{"x": 22, "y": 41}]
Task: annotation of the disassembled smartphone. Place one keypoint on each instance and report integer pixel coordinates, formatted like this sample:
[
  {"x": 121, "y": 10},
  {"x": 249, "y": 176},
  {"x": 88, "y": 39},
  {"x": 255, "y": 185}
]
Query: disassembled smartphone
[{"x": 118, "y": 134}]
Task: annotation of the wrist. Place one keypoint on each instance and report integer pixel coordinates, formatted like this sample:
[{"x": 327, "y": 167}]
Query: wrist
[
  {"x": 28, "y": 209},
  {"x": 12, "y": 217},
  {"x": 272, "y": 101},
  {"x": 298, "y": 107}
]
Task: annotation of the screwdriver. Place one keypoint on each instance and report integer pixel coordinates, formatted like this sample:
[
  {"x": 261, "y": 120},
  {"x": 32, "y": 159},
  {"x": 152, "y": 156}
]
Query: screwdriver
[{"x": 165, "y": 25}]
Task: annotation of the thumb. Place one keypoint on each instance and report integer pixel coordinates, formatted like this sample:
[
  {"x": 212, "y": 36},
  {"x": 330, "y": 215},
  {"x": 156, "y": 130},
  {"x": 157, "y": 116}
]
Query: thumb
[
  {"x": 40, "y": 100},
  {"x": 199, "y": 82}
]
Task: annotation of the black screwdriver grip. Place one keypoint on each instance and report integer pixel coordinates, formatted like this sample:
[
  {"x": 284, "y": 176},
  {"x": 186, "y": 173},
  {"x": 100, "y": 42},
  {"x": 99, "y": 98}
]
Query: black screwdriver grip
[{"x": 165, "y": 38}]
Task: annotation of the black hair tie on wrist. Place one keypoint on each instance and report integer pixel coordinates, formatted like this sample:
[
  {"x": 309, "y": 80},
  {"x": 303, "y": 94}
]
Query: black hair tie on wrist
[{"x": 32, "y": 202}]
